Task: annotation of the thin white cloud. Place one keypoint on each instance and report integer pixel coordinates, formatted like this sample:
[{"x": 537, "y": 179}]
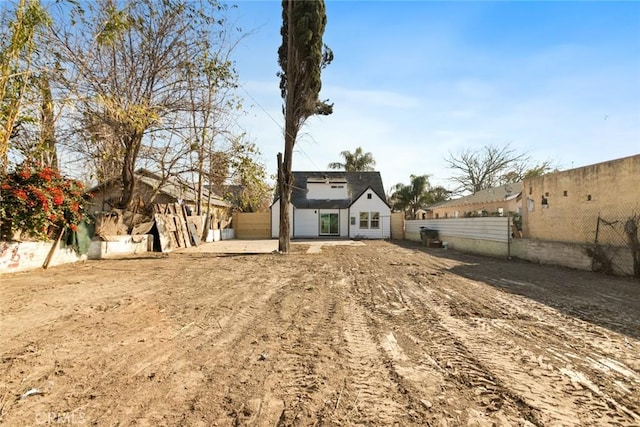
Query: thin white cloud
[{"x": 412, "y": 95}]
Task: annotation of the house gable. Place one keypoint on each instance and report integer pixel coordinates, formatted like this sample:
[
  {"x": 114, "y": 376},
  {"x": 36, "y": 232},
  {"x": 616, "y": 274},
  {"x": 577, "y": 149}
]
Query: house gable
[
  {"x": 318, "y": 196},
  {"x": 332, "y": 190},
  {"x": 370, "y": 216},
  {"x": 371, "y": 191}
]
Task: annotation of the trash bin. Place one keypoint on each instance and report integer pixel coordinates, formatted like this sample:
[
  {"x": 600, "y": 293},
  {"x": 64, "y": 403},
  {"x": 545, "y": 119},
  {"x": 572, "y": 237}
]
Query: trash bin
[{"x": 427, "y": 235}]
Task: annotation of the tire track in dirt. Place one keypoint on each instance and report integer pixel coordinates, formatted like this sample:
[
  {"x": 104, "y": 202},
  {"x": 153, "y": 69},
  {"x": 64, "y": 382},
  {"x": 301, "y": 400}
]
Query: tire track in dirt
[
  {"x": 443, "y": 357},
  {"x": 539, "y": 384},
  {"x": 225, "y": 326},
  {"x": 465, "y": 381},
  {"x": 422, "y": 383},
  {"x": 580, "y": 351},
  {"x": 570, "y": 342},
  {"x": 288, "y": 378},
  {"x": 376, "y": 396},
  {"x": 369, "y": 335},
  {"x": 569, "y": 374},
  {"x": 170, "y": 351}
]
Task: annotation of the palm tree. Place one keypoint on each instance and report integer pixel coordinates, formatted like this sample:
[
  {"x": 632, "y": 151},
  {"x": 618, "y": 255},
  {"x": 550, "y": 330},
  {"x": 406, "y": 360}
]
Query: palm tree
[
  {"x": 418, "y": 194},
  {"x": 358, "y": 161}
]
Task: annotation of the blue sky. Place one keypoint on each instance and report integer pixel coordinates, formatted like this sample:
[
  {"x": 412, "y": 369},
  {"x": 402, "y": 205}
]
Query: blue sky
[{"x": 412, "y": 81}]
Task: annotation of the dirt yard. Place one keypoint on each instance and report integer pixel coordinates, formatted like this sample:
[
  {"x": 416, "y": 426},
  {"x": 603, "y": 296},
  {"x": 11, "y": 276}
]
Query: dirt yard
[{"x": 380, "y": 334}]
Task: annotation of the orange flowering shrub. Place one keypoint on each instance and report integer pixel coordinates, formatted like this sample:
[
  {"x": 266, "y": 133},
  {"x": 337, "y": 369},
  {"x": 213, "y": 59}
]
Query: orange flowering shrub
[{"x": 36, "y": 200}]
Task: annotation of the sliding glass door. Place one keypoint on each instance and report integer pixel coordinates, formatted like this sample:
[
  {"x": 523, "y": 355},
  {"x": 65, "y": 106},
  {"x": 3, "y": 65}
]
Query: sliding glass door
[{"x": 329, "y": 224}]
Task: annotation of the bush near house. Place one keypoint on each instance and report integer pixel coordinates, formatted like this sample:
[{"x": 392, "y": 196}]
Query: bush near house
[{"x": 36, "y": 201}]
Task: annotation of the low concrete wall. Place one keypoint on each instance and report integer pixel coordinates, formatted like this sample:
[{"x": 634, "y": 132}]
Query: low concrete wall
[
  {"x": 24, "y": 256},
  {"x": 116, "y": 246},
  {"x": 572, "y": 255},
  {"x": 482, "y": 247}
]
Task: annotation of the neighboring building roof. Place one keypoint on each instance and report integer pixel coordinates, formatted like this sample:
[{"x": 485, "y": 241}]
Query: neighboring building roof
[
  {"x": 495, "y": 194},
  {"x": 172, "y": 187},
  {"x": 357, "y": 183}
]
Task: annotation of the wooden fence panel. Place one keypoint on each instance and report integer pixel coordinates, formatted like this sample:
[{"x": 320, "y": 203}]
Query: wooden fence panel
[
  {"x": 255, "y": 225},
  {"x": 397, "y": 225}
]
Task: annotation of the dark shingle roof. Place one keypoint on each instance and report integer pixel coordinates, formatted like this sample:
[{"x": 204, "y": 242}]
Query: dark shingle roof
[{"x": 357, "y": 183}]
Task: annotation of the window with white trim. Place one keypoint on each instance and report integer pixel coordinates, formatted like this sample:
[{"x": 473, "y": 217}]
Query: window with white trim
[
  {"x": 375, "y": 219},
  {"x": 364, "y": 219}
]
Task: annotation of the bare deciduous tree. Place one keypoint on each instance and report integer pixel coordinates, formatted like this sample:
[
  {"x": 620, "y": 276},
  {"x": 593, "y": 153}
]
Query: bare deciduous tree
[
  {"x": 127, "y": 68},
  {"x": 492, "y": 166}
]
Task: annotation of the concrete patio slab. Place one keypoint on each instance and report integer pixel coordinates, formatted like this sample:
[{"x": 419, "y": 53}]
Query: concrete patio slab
[{"x": 237, "y": 246}]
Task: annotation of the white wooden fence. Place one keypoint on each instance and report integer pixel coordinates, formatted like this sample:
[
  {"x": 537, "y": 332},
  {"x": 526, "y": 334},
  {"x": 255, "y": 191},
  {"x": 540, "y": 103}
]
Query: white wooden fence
[
  {"x": 484, "y": 235},
  {"x": 495, "y": 229}
]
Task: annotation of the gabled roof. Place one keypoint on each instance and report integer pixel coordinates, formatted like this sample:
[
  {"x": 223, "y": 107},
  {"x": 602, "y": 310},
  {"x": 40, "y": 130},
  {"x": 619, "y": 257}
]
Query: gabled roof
[
  {"x": 495, "y": 194},
  {"x": 357, "y": 183},
  {"x": 172, "y": 187}
]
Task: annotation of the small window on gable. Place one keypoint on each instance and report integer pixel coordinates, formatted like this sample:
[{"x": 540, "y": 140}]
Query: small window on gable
[
  {"x": 364, "y": 219},
  {"x": 369, "y": 196}
]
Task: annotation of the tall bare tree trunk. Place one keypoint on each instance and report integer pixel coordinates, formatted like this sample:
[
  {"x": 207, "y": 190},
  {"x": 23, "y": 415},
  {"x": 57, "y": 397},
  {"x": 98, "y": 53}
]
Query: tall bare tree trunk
[
  {"x": 290, "y": 133},
  {"x": 132, "y": 144},
  {"x": 284, "y": 189}
]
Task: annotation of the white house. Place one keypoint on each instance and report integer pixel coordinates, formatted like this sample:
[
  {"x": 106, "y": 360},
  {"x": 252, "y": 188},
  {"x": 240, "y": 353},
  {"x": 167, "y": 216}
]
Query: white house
[{"x": 336, "y": 204}]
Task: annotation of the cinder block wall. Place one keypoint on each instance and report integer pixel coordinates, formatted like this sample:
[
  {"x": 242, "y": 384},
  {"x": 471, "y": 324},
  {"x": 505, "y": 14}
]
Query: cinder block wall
[{"x": 575, "y": 198}]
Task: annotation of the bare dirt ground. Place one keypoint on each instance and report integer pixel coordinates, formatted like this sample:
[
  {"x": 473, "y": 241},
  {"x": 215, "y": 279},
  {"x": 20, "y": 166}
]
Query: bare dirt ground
[{"x": 379, "y": 334}]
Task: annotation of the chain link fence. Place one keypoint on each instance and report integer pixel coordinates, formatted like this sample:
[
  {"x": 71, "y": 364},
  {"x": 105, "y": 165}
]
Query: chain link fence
[{"x": 616, "y": 246}]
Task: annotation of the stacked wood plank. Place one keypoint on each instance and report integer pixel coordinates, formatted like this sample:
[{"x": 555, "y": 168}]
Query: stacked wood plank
[{"x": 175, "y": 228}]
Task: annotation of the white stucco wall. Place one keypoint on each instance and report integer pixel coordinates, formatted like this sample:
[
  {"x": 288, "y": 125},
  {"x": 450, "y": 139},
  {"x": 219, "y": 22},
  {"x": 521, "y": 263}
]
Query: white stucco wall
[
  {"x": 324, "y": 191},
  {"x": 375, "y": 204},
  {"x": 344, "y": 222},
  {"x": 24, "y": 256},
  {"x": 275, "y": 219},
  {"x": 116, "y": 246},
  {"x": 305, "y": 223}
]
